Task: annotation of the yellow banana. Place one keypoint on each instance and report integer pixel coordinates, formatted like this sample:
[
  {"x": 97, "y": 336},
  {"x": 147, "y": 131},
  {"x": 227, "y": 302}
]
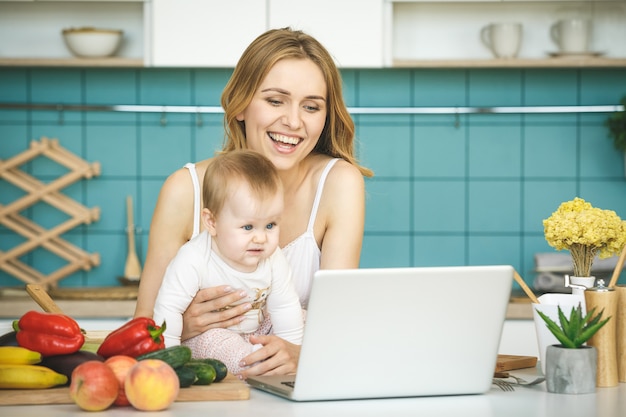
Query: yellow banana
[
  {"x": 29, "y": 377},
  {"x": 16, "y": 355}
]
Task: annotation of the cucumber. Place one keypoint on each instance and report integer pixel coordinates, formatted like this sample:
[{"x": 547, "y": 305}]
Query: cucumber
[
  {"x": 174, "y": 356},
  {"x": 220, "y": 369},
  {"x": 204, "y": 372},
  {"x": 186, "y": 376}
]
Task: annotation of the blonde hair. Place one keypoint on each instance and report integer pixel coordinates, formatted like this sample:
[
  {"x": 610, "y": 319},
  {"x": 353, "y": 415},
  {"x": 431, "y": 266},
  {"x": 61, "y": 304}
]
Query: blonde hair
[
  {"x": 337, "y": 138},
  {"x": 227, "y": 170}
]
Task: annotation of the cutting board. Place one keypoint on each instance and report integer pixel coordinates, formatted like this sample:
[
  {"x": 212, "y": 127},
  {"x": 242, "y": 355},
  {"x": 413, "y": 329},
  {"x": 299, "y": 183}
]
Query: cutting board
[
  {"x": 512, "y": 362},
  {"x": 230, "y": 388}
]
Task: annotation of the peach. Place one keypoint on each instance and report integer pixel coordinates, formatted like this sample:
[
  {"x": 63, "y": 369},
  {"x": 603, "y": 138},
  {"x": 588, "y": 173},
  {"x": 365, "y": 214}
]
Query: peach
[
  {"x": 94, "y": 386},
  {"x": 120, "y": 365},
  {"x": 151, "y": 385}
]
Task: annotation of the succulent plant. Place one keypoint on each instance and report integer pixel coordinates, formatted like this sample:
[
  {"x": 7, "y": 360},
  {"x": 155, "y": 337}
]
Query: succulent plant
[{"x": 573, "y": 333}]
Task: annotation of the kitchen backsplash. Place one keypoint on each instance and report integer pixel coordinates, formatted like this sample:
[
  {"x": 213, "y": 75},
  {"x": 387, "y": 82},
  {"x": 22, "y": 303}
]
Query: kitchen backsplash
[{"x": 448, "y": 190}]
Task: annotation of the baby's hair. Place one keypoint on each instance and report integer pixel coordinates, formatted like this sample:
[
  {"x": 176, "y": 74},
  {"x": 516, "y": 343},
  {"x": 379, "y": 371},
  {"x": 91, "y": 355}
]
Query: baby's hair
[{"x": 227, "y": 170}]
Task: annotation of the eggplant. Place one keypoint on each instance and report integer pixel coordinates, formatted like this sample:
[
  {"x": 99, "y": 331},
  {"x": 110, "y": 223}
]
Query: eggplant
[
  {"x": 9, "y": 339},
  {"x": 65, "y": 364}
]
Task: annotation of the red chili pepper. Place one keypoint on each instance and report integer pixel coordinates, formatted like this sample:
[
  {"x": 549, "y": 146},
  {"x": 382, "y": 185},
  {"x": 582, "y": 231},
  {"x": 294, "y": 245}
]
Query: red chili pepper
[
  {"x": 49, "y": 333},
  {"x": 138, "y": 336}
]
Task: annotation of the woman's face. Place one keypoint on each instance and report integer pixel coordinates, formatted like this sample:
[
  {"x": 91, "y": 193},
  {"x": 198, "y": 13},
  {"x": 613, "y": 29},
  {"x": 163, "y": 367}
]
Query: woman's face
[{"x": 287, "y": 113}]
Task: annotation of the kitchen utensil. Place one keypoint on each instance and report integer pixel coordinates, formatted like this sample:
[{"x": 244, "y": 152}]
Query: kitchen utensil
[
  {"x": 41, "y": 297},
  {"x": 518, "y": 380},
  {"x": 132, "y": 270},
  {"x": 548, "y": 305},
  {"x": 503, "y": 39},
  {"x": 618, "y": 268},
  {"x": 503, "y": 385},
  {"x": 88, "y": 42},
  {"x": 524, "y": 286},
  {"x": 620, "y": 318},
  {"x": 604, "y": 300},
  {"x": 511, "y": 362},
  {"x": 572, "y": 35}
]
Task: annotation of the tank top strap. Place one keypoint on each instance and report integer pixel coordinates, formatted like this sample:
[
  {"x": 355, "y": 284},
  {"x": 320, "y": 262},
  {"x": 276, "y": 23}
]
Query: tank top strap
[
  {"x": 196, "y": 198},
  {"x": 318, "y": 193}
]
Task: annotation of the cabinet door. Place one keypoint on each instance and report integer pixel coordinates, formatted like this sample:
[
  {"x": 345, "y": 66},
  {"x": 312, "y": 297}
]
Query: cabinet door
[
  {"x": 351, "y": 30},
  {"x": 203, "y": 33}
]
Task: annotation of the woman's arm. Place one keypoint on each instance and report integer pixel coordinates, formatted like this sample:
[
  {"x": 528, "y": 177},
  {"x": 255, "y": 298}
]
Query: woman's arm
[
  {"x": 171, "y": 227},
  {"x": 343, "y": 205}
]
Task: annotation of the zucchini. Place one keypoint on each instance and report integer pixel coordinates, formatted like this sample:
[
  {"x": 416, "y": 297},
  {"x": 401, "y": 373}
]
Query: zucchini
[
  {"x": 186, "y": 376},
  {"x": 220, "y": 369},
  {"x": 204, "y": 372},
  {"x": 174, "y": 356}
]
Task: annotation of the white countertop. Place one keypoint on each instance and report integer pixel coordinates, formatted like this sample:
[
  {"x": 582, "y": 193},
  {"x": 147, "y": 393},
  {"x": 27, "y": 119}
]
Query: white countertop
[{"x": 527, "y": 402}]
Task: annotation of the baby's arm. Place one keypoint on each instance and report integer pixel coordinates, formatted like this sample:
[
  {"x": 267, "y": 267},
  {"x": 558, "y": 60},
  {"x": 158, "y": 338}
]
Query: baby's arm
[
  {"x": 180, "y": 284},
  {"x": 283, "y": 303}
]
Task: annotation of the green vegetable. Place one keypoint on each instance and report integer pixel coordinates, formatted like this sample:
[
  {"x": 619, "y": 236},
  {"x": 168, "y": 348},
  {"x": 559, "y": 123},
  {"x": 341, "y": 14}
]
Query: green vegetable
[
  {"x": 220, "y": 369},
  {"x": 175, "y": 356},
  {"x": 204, "y": 372},
  {"x": 186, "y": 376}
]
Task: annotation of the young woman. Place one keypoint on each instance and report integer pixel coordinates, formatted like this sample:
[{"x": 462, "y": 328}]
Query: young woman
[{"x": 283, "y": 100}]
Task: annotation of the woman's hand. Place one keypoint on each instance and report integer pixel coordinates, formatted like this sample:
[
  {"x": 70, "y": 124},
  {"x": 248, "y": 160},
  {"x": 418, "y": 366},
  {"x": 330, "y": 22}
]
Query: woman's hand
[
  {"x": 206, "y": 310},
  {"x": 276, "y": 357}
]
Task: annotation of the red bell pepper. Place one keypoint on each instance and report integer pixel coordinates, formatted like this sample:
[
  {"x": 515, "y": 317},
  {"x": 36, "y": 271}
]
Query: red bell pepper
[
  {"x": 138, "y": 336},
  {"x": 49, "y": 333}
]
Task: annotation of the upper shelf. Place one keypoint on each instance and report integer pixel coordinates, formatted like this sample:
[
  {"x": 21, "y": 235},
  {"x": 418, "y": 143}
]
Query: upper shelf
[
  {"x": 513, "y": 63},
  {"x": 112, "y": 62},
  {"x": 116, "y": 62}
]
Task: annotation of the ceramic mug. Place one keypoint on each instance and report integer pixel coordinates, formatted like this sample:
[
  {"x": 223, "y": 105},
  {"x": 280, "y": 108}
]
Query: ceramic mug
[
  {"x": 571, "y": 35},
  {"x": 503, "y": 39},
  {"x": 549, "y": 305}
]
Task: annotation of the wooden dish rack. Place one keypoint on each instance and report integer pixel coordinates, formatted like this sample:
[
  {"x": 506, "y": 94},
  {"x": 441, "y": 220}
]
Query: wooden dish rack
[{"x": 49, "y": 193}]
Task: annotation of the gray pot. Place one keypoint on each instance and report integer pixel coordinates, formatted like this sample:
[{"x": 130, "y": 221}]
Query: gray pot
[{"x": 571, "y": 371}]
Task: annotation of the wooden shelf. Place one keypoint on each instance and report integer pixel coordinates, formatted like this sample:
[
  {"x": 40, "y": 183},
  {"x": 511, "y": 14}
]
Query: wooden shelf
[
  {"x": 73, "y": 62},
  {"x": 593, "y": 62}
]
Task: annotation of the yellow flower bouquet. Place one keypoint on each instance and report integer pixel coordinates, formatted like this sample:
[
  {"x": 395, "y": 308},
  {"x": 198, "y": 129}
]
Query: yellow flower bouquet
[{"x": 585, "y": 231}]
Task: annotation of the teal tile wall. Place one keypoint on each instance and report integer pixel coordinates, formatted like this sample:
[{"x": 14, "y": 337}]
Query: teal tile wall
[{"x": 448, "y": 190}]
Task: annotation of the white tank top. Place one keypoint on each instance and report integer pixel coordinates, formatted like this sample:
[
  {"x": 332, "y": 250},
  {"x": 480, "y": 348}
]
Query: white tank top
[{"x": 302, "y": 253}]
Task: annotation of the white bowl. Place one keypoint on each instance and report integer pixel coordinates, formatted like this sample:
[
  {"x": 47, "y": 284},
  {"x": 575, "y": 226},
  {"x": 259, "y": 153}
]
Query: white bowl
[{"x": 89, "y": 42}]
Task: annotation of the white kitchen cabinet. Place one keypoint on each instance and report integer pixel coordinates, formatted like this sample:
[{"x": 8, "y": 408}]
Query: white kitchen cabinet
[
  {"x": 439, "y": 30},
  {"x": 202, "y": 33},
  {"x": 352, "y": 30},
  {"x": 32, "y": 29}
]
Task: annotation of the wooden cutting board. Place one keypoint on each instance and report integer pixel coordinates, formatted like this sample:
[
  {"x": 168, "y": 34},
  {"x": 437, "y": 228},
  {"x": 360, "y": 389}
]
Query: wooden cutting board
[
  {"x": 512, "y": 362},
  {"x": 230, "y": 388}
]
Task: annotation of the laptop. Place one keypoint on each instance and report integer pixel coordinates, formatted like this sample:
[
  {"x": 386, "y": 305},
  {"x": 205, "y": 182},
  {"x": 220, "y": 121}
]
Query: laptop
[{"x": 398, "y": 332}]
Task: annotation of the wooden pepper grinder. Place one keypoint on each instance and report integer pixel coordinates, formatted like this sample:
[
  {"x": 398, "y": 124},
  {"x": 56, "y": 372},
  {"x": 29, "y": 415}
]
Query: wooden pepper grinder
[
  {"x": 604, "y": 298},
  {"x": 621, "y": 332}
]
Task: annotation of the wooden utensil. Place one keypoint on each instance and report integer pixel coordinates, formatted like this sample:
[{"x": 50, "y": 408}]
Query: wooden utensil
[
  {"x": 132, "y": 271},
  {"x": 525, "y": 287},
  {"x": 41, "y": 297},
  {"x": 618, "y": 268}
]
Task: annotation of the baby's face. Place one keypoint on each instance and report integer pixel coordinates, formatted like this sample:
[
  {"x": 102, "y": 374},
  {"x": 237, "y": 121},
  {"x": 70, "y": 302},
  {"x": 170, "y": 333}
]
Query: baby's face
[{"x": 246, "y": 230}]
